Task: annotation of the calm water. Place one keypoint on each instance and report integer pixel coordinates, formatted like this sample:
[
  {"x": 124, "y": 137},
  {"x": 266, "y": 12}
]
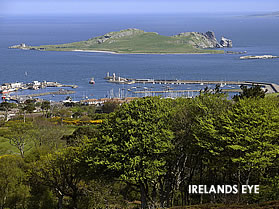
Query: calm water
[{"x": 255, "y": 35}]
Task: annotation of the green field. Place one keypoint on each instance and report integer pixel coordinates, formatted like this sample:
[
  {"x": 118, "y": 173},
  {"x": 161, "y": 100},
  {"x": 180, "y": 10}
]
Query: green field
[
  {"x": 6, "y": 147},
  {"x": 138, "y": 41}
]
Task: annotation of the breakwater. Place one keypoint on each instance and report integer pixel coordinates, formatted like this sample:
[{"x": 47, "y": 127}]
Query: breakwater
[
  {"x": 259, "y": 57},
  {"x": 269, "y": 87},
  {"x": 22, "y": 98}
]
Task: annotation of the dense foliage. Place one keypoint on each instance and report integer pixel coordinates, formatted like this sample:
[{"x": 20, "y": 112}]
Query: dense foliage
[{"x": 143, "y": 154}]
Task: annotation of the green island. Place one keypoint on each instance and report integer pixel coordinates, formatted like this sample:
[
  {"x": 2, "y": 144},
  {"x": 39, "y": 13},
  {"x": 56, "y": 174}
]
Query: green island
[{"x": 135, "y": 41}]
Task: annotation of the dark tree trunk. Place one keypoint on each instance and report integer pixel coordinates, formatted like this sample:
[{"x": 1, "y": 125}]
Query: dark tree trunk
[
  {"x": 60, "y": 201},
  {"x": 154, "y": 196},
  {"x": 143, "y": 193},
  {"x": 74, "y": 202},
  {"x": 238, "y": 184}
]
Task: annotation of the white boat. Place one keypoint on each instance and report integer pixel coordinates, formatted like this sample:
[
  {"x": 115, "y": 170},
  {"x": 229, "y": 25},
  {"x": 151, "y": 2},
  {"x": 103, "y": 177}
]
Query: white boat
[
  {"x": 92, "y": 81},
  {"x": 6, "y": 91}
]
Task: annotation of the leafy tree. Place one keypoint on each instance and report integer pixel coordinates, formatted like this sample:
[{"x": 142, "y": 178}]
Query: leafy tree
[
  {"x": 240, "y": 143},
  {"x": 62, "y": 173},
  {"x": 80, "y": 133},
  {"x": 253, "y": 92},
  {"x": 13, "y": 191},
  {"x": 41, "y": 197},
  {"x": 48, "y": 134},
  {"x": 109, "y": 107},
  {"x": 63, "y": 112},
  {"x": 29, "y": 106},
  {"x": 134, "y": 144},
  {"x": 217, "y": 90},
  {"x": 250, "y": 131},
  {"x": 45, "y": 107},
  {"x": 79, "y": 111},
  {"x": 193, "y": 124},
  {"x": 101, "y": 193},
  {"x": 19, "y": 135},
  {"x": 6, "y": 106}
]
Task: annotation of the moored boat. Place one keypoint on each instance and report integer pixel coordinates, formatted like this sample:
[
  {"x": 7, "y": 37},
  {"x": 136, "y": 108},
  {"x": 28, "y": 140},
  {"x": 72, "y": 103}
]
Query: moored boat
[
  {"x": 92, "y": 81},
  {"x": 6, "y": 91}
]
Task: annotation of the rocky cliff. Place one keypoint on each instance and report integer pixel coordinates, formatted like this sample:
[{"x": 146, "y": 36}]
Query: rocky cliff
[
  {"x": 196, "y": 39},
  {"x": 19, "y": 46},
  {"x": 205, "y": 40}
]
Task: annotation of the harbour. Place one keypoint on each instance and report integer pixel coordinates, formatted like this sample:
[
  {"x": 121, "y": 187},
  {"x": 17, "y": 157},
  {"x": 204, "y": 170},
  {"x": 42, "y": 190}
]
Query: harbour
[
  {"x": 23, "y": 98},
  {"x": 79, "y": 67},
  {"x": 132, "y": 87},
  {"x": 268, "y": 87}
]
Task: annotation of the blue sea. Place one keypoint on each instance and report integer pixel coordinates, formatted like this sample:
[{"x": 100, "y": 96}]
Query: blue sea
[{"x": 258, "y": 36}]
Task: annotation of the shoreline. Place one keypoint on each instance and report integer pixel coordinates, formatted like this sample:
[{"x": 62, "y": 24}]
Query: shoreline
[
  {"x": 111, "y": 52},
  {"x": 94, "y": 51}
]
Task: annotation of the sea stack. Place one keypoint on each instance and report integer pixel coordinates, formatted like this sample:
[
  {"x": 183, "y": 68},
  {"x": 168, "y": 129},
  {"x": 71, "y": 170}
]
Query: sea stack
[{"x": 226, "y": 42}]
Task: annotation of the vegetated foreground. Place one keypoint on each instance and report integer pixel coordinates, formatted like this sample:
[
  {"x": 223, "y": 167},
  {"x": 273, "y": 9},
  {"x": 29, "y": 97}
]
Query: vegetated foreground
[
  {"x": 142, "y": 154},
  {"x": 139, "y": 41},
  {"x": 263, "y": 205}
]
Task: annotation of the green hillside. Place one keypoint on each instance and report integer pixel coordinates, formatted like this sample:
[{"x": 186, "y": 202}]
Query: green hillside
[{"x": 139, "y": 41}]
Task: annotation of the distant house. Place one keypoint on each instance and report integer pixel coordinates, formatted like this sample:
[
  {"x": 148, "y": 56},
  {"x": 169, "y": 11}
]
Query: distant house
[
  {"x": 89, "y": 101},
  {"x": 16, "y": 85},
  {"x": 5, "y": 86}
]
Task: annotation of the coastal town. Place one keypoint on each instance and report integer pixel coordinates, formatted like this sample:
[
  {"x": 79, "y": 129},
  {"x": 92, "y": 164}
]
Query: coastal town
[
  {"x": 7, "y": 88},
  {"x": 8, "y": 94},
  {"x": 35, "y": 85}
]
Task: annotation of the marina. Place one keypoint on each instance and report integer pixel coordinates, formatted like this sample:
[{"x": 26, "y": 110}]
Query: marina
[
  {"x": 269, "y": 87},
  {"x": 183, "y": 91},
  {"x": 131, "y": 87}
]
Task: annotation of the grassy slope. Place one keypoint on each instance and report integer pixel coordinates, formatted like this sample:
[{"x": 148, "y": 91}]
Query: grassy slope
[
  {"x": 138, "y": 43},
  {"x": 7, "y": 148}
]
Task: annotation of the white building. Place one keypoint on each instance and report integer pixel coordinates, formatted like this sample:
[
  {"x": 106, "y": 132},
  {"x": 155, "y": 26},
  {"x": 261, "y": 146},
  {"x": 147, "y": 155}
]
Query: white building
[{"x": 16, "y": 85}]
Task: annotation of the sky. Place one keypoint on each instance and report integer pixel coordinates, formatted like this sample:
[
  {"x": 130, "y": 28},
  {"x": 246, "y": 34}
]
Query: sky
[{"x": 48, "y": 7}]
